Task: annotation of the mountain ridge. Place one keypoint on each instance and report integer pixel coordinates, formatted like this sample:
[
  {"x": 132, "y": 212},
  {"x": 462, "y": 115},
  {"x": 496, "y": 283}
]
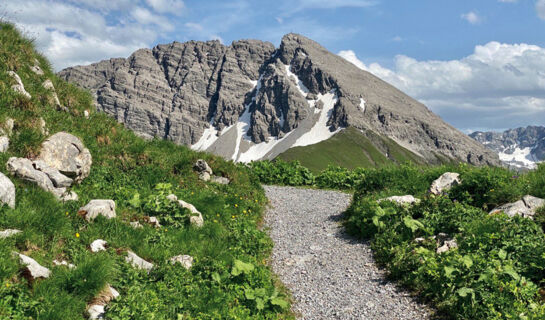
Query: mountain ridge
[{"x": 251, "y": 101}]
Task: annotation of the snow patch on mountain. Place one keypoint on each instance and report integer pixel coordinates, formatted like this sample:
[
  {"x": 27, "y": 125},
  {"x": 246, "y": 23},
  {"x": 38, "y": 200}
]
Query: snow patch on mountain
[{"x": 520, "y": 158}]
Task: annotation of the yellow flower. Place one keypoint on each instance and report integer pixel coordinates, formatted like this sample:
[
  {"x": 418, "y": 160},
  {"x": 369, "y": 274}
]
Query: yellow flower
[
  {"x": 215, "y": 221},
  {"x": 232, "y": 217},
  {"x": 77, "y": 235},
  {"x": 256, "y": 200},
  {"x": 240, "y": 198},
  {"x": 192, "y": 193},
  {"x": 250, "y": 211},
  {"x": 217, "y": 214},
  {"x": 244, "y": 211},
  {"x": 7, "y": 285},
  {"x": 166, "y": 230},
  {"x": 66, "y": 212},
  {"x": 236, "y": 205}
]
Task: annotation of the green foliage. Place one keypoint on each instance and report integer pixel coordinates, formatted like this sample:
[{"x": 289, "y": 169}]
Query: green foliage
[
  {"x": 137, "y": 175},
  {"x": 498, "y": 269},
  {"x": 282, "y": 173}
]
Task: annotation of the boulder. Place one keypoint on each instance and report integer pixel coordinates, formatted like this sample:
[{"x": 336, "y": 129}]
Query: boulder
[
  {"x": 204, "y": 176},
  {"x": 8, "y": 233},
  {"x": 98, "y": 245},
  {"x": 59, "y": 180},
  {"x": 444, "y": 243},
  {"x": 402, "y": 200},
  {"x": 33, "y": 269},
  {"x": 185, "y": 260},
  {"x": 202, "y": 166},
  {"x": 220, "y": 180},
  {"x": 446, "y": 181},
  {"x": 67, "y": 154},
  {"x": 98, "y": 207},
  {"x": 526, "y": 207},
  {"x": 4, "y": 143},
  {"x": 138, "y": 262},
  {"x": 28, "y": 170},
  {"x": 19, "y": 87},
  {"x": 7, "y": 191}
]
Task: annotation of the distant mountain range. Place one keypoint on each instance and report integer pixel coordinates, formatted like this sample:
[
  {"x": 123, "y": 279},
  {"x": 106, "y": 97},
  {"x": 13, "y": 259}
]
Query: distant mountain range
[
  {"x": 518, "y": 148},
  {"x": 251, "y": 101}
]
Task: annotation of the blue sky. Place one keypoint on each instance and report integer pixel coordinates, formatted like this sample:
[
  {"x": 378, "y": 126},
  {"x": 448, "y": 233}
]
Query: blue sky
[{"x": 478, "y": 64}]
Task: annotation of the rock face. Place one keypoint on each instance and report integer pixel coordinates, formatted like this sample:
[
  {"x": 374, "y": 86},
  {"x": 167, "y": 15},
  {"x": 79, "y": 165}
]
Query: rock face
[
  {"x": 446, "y": 181},
  {"x": 517, "y": 148},
  {"x": 250, "y": 101},
  {"x": 67, "y": 154},
  {"x": 526, "y": 207},
  {"x": 98, "y": 207},
  {"x": 7, "y": 191}
]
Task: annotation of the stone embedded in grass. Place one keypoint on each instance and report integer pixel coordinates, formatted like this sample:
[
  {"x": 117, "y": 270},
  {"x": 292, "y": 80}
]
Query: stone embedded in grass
[
  {"x": 446, "y": 181},
  {"x": 526, "y": 207},
  {"x": 154, "y": 222},
  {"x": 19, "y": 87},
  {"x": 32, "y": 171},
  {"x": 48, "y": 85},
  {"x": 7, "y": 191},
  {"x": 135, "y": 224},
  {"x": 63, "y": 263},
  {"x": 36, "y": 68},
  {"x": 138, "y": 262},
  {"x": 196, "y": 218},
  {"x": 220, "y": 180},
  {"x": 9, "y": 233},
  {"x": 33, "y": 269},
  {"x": 185, "y": 260},
  {"x": 4, "y": 143},
  {"x": 407, "y": 199},
  {"x": 86, "y": 114},
  {"x": 98, "y": 245},
  {"x": 203, "y": 169},
  {"x": 98, "y": 207},
  {"x": 7, "y": 128},
  {"x": 444, "y": 243},
  {"x": 59, "y": 180},
  {"x": 96, "y": 309},
  {"x": 66, "y": 153},
  {"x": 43, "y": 127}
]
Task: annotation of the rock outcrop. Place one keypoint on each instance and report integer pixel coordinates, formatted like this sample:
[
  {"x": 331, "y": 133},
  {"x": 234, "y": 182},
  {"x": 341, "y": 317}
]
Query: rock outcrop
[
  {"x": 138, "y": 262},
  {"x": 33, "y": 270},
  {"x": 526, "y": 207},
  {"x": 9, "y": 233},
  {"x": 250, "y": 101},
  {"x": 195, "y": 218},
  {"x": 185, "y": 260},
  {"x": 446, "y": 181},
  {"x": 19, "y": 87}
]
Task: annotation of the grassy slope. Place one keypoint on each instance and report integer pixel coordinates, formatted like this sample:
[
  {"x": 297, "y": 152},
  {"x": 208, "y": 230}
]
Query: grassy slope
[
  {"x": 350, "y": 149},
  {"x": 126, "y": 169}
]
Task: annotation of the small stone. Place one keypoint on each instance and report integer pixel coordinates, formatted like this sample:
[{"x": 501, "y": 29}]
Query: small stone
[
  {"x": 185, "y": 260},
  {"x": 86, "y": 114},
  {"x": 4, "y": 143},
  {"x": 19, "y": 87},
  {"x": 98, "y": 207},
  {"x": 96, "y": 312},
  {"x": 33, "y": 269},
  {"x": 402, "y": 200},
  {"x": 526, "y": 207},
  {"x": 204, "y": 176},
  {"x": 63, "y": 263},
  {"x": 138, "y": 262},
  {"x": 7, "y": 191},
  {"x": 9, "y": 233},
  {"x": 446, "y": 181},
  {"x": 154, "y": 222},
  {"x": 136, "y": 224},
  {"x": 98, "y": 245},
  {"x": 42, "y": 127},
  {"x": 220, "y": 180},
  {"x": 202, "y": 166}
]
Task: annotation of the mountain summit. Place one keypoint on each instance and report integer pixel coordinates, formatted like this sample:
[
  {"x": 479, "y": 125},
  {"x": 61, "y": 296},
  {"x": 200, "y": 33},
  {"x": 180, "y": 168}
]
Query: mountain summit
[{"x": 251, "y": 101}]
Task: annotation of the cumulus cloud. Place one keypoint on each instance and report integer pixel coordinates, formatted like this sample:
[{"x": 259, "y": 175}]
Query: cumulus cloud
[
  {"x": 471, "y": 17},
  {"x": 498, "y": 86},
  {"x": 540, "y": 8},
  {"x": 171, "y": 6}
]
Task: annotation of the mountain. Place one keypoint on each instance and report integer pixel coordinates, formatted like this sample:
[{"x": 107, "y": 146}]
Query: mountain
[
  {"x": 518, "y": 148},
  {"x": 251, "y": 101}
]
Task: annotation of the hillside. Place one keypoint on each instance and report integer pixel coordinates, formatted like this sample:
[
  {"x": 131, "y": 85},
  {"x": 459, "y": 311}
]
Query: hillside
[
  {"x": 517, "y": 148},
  {"x": 251, "y": 101},
  {"x": 48, "y": 269}
]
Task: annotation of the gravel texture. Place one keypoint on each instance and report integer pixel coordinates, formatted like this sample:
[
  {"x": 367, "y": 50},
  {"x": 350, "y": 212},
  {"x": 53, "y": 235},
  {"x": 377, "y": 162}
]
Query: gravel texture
[{"x": 330, "y": 274}]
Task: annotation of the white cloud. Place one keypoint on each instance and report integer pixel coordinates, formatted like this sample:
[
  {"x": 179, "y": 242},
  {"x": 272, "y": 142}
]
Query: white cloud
[
  {"x": 145, "y": 17},
  {"x": 471, "y": 17},
  {"x": 397, "y": 39},
  {"x": 509, "y": 1},
  {"x": 167, "y": 6},
  {"x": 540, "y": 8},
  {"x": 292, "y": 7},
  {"x": 498, "y": 86}
]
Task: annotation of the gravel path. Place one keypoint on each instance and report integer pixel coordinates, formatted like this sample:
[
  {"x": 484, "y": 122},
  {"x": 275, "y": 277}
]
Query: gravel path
[{"x": 331, "y": 275}]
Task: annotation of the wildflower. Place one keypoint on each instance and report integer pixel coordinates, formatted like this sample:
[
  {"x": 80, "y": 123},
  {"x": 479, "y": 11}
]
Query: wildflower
[
  {"x": 215, "y": 221},
  {"x": 7, "y": 285},
  {"x": 236, "y": 205},
  {"x": 217, "y": 214},
  {"x": 77, "y": 235},
  {"x": 491, "y": 190},
  {"x": 244, "y": 211},
  {"x": 192, "y": 193},
  {"x": 166, "y": 230},
  {"x": 255, "y": 200},
  {"x": 66, "y": 213},
  {"x": 240, "y": 198},
  {"x": 250, "y": 211},
  {"x": 232, "y": 217}
]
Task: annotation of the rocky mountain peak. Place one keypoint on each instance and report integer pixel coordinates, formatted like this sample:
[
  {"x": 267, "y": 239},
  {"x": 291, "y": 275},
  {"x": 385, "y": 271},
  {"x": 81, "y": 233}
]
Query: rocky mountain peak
[{"x": 250, "y": 100}]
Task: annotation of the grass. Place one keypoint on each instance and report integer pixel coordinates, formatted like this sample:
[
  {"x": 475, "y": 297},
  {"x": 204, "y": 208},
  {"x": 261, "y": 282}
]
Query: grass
[
  {"x": 136, "y": 174},
  {"x": 351, "y": 149}
]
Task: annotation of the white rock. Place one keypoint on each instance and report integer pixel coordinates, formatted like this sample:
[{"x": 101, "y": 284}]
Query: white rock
[
  {"x": 154, "y": 222},
  {"x": 4, "y": 143},
  {"x": 7, "y": 191},
  {"x": 19, "y": 87},
  {"x": 407, "y": 199},
  {"x": 98, "y": 207},
  {"x": 63, "y": 263},
  {"x": 96, "y": 311},
  {"x": 196, "y": 218},
  {"x": 446, "y": 181},
  {"x": 447, "y": 245},
  {"x": 98, "y": 245},
  {"x": 8, "y": 127},
  {"x": 526, "y": 207},
  {"x": 36, "y": 68},
  {"x": 86, "y": 114},
  {"x": 135, "y": 224},
  {"x": 138, "y": 262},
  {"x": 185, "y": 260},
  {"x": 202, "y": 166},
  {"x": 8, "y": 233},
  {"x": 42, "y": 126},
  {"x": 220, "y": 180},
  {"x": 48, "y": 85},
  {"x": 35, "y": 270},
  {"x": 172, "y": 197},
  {"x": 66, "y": 153}
]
